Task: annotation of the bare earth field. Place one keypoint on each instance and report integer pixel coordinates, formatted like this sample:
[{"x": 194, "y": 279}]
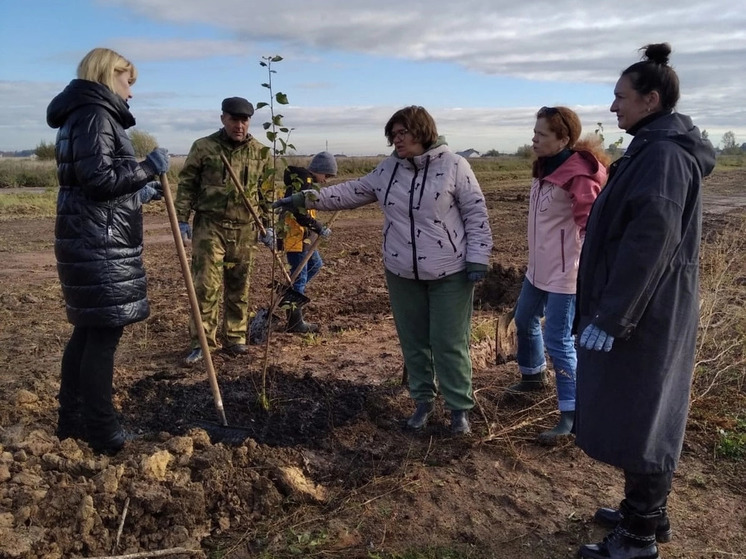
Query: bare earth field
[{"x": 327, "y": 470}]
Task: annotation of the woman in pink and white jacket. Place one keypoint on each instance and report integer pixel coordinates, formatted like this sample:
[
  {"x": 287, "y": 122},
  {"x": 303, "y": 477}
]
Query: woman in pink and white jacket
[{"x": 568, "y": 175}]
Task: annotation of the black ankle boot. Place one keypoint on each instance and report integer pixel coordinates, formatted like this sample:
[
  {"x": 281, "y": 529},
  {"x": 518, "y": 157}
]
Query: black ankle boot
[
  {"x": 297, "y": 325},
  {"x": 529, "y": 383},
  {"x": 563, "y": 428},
  {"x": 633, "y": 538},
  {"x": 69, "y": 425},
  {"x": 420, "y": 416},
  {"x": 110, "y": 443},
  {"x": 610, "y": 518}
]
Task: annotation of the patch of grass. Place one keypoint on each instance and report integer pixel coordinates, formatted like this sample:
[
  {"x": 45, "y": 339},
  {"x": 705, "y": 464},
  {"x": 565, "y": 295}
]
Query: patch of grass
[
  {"x": 732, "y": 442},
  {"x": 21, "y": 172},
  {"x": 721, "y": 344},
  {"x": 482, "y": 329},
  {"x": 28, "y": 204}
]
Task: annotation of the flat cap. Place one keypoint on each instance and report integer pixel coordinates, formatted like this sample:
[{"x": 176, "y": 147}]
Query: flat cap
[{"x": 237, "y": 106}]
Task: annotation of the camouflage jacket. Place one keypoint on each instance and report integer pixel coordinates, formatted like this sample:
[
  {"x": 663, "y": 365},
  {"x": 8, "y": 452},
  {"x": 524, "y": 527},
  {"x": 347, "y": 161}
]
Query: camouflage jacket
[{"x": 206, "y": 186}]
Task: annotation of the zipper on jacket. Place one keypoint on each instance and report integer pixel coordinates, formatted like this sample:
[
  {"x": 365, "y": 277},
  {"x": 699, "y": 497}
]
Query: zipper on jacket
[
  {"x": 412, "y": 231},
  {"x": 109, "y": 220},
  {"x": 448, "y": 234},
  {"x": 424, "y": 180},
  {"x": 391, "y": 182},
  {"x": 562, "y": 248}
]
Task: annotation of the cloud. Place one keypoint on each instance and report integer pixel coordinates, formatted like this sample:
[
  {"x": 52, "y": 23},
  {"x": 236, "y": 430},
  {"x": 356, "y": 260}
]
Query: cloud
[{"x": 558, "y": 50}]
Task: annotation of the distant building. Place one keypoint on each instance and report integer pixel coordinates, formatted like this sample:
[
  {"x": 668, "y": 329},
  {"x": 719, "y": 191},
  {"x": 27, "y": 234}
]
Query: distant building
[{"x": 468, "y": 153}]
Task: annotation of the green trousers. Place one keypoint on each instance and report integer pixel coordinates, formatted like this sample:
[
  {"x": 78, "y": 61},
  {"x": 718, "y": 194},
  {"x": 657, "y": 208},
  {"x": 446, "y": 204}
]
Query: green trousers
[
  {"x": 433, "y": 320},
  {"x": 222, "y": 259}
]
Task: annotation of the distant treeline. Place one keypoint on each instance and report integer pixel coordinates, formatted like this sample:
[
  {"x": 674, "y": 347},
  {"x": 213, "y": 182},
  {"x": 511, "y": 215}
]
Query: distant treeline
[{"x": 24, "y": 153}]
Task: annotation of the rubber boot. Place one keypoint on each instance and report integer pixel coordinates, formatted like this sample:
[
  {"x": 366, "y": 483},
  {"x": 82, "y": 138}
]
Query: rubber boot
[
  {"x": 460, "y": 422},
  {"x": 610, "y": 518},
  {"x": 297, "y": 325},
  {"x": 563, "y": 428},
  {"x": 633, "y": 538},
  {"x": 420, "y": 416},
  {"x": 529, "y": 383}
]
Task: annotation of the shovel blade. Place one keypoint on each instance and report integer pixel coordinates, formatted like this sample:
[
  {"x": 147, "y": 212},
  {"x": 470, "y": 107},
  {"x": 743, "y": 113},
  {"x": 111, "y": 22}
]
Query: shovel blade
[
  {"x": 258, "y": 327},
  {"x": 506, "y": 341}
]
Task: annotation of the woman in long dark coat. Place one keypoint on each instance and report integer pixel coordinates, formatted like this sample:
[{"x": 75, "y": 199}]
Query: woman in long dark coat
[
  {"x": 637, "y": 305},
  {"x": 98, "y": 238}
]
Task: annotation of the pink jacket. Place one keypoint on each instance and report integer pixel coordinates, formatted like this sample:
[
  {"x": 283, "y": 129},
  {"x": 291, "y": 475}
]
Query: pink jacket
[{"x": 558, "y": 211}]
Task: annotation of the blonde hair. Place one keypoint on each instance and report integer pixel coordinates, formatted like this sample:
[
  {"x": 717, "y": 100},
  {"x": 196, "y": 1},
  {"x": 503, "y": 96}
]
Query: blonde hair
[{"x": 101, "y": 65}]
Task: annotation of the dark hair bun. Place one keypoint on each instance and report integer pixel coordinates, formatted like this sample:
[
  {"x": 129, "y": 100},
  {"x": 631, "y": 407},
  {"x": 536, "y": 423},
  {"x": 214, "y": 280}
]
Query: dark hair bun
[{"x": 658, "y": 53}]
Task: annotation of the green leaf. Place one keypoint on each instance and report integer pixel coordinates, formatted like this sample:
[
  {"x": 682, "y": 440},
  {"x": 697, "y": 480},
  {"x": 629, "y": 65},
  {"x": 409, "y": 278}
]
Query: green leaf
[
  {"x": 271, "y": 136},
  {"x": 284, "y": 130},
  {"x": 281, "y": 98},
  {"x": 261, "y": 105},
  {"x": 276, "y": 58},
  {"x": 266, "y": 85},
  {"x": 264, "y": 151},
  {"x": 266, "y": 125},
  {"x": 291, "y": 146},
  {"x": 262, "y": 64}
]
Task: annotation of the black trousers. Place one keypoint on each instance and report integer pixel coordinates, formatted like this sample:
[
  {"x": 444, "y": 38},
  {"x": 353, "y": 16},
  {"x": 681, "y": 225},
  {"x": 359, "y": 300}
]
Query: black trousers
[
  {"x": 646, "y": 493},
  {"x": 87, "y": 375}
]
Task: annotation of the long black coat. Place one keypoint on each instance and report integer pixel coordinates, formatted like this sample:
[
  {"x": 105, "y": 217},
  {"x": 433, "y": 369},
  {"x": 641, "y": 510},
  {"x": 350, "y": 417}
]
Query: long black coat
[
  {"x": 638, "y": 281},
  {"x": 98, "y": 232}
]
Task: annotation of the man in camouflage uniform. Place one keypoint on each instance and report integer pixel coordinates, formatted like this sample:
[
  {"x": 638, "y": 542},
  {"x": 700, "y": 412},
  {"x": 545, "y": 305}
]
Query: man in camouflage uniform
[{"x": 223, "y": 233}]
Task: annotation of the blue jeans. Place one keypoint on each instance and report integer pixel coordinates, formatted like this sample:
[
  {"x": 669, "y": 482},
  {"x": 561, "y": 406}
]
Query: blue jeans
[
  {"x": 311, "y": 268},
  {"x": 559, "y": 310}
]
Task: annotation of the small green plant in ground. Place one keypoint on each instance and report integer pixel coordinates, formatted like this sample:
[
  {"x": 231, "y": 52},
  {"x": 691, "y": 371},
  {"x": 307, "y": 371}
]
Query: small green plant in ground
[
  {"x": 482, "y": 329},
  {"x": 732, "y": 442}
]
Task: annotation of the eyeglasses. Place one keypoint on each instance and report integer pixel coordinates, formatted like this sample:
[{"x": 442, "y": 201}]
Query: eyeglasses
[
  {"x": 551, "y": 111},
  {"x": 398, "y": 134}
]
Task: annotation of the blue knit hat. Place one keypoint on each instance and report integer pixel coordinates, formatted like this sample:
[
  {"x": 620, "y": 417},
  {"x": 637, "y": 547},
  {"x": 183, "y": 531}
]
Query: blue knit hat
[{"x": 323, "y": 163}]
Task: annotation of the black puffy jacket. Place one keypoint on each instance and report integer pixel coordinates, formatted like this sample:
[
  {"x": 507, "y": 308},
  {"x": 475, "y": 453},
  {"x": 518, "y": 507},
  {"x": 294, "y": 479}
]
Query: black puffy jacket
[{"x": 98, "y": 232}]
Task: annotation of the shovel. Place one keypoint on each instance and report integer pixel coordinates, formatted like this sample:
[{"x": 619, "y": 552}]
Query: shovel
[
  {"x": 255, "y": 216},
  {"x": 196, "y": 316},
  {"x": 506, "y": 342},
  {"x": 260, "y": 323}
]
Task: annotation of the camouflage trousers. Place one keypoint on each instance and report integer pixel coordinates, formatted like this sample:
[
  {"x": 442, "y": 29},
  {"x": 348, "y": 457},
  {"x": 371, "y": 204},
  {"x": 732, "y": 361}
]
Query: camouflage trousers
[{"x": 222, "y": 260}]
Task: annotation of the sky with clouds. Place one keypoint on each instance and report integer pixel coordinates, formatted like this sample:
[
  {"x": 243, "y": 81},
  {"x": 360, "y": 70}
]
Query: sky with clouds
[{"x": 481, "y": 67}]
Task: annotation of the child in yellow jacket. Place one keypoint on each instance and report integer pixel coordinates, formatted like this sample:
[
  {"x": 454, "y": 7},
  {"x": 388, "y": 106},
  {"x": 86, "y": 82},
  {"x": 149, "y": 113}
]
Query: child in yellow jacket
[{"x": 322, "y": 167}]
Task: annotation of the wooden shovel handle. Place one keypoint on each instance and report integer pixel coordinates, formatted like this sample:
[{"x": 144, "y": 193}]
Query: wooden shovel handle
[
  {"x": 193, "y": 303},
  {"x": 253, "y": 213}
]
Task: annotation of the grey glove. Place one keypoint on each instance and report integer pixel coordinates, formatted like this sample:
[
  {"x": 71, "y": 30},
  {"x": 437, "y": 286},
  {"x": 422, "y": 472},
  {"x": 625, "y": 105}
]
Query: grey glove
[
  {"x": 595, "y": 338},
  {"x": 325, "y": 232},
  {"x": 283, "y": 204},
  {"x": 476, "y": 272},
  {"x": 186, "y": 231},
  {"x": 156, "y": 162},
  {"x": 268, "y": 239},
  {"x": 151, "y": 191},
  {"x": 297, "y": 200}
]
